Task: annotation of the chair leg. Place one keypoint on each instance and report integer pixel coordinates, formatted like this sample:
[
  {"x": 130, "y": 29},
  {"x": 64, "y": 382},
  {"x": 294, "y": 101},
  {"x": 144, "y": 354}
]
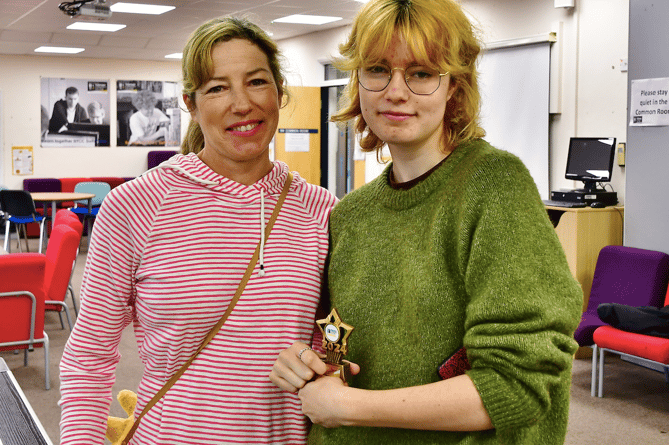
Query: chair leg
[
  {"x": 18, "y": 238},
  {"x": 593, "y": 377},
  {"x": 25, "y": 236},
  {"x": 600, "y": 390},
  {"x": 6, "y": 246},
  {"x": 74, "y": 301},
  {"x": 67, "y": 313},
  {"x": 47, "y": 380},
  {"x": 89, "y": 226},
  {"x": 41, "y": 235}
]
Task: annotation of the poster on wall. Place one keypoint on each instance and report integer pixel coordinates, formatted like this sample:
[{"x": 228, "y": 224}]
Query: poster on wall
[
  {"x": 74, "y": 112},
  {"x": 148, "y": 113},
  {"x": 22, "y": 161}
]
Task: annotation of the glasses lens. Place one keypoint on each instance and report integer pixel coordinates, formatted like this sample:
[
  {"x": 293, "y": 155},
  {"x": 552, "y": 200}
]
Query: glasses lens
[
  {"x": 422, "y": 80},
  {"x": 374, "y": 77},
  {"x": 419, "y": 79}
]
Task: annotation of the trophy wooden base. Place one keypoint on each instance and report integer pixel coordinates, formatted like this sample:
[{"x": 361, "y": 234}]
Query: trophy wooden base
[{"x": 341, "y": 370}]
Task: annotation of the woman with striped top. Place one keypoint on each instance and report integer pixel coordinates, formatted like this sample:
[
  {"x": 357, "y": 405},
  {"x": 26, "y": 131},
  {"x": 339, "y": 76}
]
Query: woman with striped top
[{"x": 170, "y": 249}]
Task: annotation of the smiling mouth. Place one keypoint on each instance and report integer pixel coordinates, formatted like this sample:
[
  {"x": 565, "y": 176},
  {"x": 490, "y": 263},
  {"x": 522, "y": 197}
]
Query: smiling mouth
[
  {"x": 396, "y": 116},
  {"x": 247, "y": 127}
]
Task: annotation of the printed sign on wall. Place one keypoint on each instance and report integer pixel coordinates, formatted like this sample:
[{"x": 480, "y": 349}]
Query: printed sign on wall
[{"x": 649, "y": 104}]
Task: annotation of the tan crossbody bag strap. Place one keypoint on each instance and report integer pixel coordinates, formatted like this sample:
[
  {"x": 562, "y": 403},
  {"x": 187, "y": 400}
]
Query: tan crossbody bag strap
[{"x": 217, "y": 327}]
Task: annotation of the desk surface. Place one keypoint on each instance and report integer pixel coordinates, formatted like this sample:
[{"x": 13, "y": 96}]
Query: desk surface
[{"x": 60, "y": 196}]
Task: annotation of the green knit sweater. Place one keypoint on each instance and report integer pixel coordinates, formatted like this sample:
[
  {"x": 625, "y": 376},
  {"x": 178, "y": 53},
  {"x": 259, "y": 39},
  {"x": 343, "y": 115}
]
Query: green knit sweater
[{"x": 466, "y": 257}]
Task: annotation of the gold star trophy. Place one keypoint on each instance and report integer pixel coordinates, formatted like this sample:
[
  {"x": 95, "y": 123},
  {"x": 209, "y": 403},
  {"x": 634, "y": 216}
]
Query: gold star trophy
[{"x": 335, "y": 342}]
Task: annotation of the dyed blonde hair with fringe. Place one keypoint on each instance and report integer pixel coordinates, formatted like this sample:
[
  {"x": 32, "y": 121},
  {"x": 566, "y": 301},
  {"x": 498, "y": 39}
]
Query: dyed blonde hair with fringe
[
  {"x": 440, "y": 36},
  {"x": 197, "y": 66}
]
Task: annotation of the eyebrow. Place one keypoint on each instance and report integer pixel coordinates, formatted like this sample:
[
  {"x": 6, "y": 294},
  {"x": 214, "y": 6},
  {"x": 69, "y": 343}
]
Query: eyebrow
[{"x": 248, "y": 74}]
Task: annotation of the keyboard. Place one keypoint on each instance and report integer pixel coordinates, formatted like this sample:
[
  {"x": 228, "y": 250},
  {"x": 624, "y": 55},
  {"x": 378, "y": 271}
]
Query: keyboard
[{"x": 573, "y": 205}]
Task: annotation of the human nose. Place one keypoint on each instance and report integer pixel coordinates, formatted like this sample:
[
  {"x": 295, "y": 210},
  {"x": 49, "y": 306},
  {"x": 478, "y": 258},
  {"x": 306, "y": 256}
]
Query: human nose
[
  {"x": 241, "y": 100},
  {"x": 397, "y": 86}
]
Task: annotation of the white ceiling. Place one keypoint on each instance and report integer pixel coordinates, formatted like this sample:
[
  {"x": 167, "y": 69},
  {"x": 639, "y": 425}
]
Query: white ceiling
[{"x": 28, "y": 24}]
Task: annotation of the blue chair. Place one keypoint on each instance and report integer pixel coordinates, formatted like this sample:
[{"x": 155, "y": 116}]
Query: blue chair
[
  {"x": 100, "y": 190},
  {"x": 19, "y": 209}
]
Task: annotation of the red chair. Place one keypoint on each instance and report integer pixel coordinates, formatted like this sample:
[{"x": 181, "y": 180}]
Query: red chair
[
  {"x": 65, "y": 216},
  {"x": 22, "y": 305},
  {"x": 649, "y": 351},
  {"x": 61, "y": 253},
  {"x": 113, "y": 181}
]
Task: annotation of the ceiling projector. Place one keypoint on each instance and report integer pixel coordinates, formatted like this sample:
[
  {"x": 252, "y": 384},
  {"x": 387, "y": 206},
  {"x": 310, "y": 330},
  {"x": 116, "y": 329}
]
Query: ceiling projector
[{"x": 95, "y": 10}]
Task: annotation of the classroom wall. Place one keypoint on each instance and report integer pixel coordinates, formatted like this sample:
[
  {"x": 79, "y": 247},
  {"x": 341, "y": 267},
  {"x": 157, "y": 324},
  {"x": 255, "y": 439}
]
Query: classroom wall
[
  {"x": 593, "y": 100},
  {"x": 20, "y": 113}
]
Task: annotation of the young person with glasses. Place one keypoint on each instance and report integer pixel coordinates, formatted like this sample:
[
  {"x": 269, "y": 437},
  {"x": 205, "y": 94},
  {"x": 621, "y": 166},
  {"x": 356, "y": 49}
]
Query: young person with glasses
[{"x": 448, "y": 253}]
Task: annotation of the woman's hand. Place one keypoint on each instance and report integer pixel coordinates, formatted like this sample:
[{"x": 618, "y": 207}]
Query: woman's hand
[
  {"x": 325, "y": 401},
  {"x": 296, "y": 366}
]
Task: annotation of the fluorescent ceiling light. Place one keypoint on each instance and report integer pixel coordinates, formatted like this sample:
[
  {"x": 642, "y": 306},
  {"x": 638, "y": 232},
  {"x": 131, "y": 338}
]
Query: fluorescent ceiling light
[
  {"x": 90, "y": 26},
  {"x": 58, "y": 49},
  {"x": 307, "y": 19},
  {"x": 139, "y": 8},
  {"x": 175, "y": 56}
]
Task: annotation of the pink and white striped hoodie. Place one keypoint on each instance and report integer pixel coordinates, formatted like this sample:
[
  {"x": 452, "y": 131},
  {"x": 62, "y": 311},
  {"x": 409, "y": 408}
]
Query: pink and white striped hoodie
[{"x": 167, "y": 254}]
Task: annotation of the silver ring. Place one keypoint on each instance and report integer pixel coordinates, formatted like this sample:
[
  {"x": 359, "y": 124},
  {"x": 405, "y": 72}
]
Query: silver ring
[{"x": 299, "y": 354}]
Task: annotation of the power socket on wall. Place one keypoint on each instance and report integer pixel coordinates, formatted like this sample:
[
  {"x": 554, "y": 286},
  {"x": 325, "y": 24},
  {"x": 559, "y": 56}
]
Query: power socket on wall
[{"x": 621, "y": 154}]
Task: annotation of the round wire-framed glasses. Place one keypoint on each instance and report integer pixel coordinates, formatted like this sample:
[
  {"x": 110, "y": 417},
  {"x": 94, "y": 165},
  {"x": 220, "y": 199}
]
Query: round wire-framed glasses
[{"x": 420, "y": 80}]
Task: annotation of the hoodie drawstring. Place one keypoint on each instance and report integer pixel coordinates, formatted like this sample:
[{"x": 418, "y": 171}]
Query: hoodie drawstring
[{"x": 262, "y": 234}]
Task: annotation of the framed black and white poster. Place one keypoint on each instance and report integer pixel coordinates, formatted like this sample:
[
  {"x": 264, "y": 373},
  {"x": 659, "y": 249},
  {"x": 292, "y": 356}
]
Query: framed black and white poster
[
  {"x": 74, "y": 112},
  {"x": 148, "y": 113}
]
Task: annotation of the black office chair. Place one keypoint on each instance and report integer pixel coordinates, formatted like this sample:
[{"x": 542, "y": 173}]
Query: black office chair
[{"x": 19, "y": 209}]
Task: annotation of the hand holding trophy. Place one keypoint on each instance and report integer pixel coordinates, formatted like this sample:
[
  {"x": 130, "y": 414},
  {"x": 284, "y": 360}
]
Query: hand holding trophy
[{"x": 335, "y": 342}]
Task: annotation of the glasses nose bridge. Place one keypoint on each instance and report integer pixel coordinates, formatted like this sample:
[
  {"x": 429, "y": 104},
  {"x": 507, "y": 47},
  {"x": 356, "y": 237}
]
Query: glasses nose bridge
[{"x": 404, "y": 76}]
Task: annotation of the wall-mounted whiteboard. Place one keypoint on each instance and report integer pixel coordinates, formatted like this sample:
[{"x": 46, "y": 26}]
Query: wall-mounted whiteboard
[{"x": 514, "y": 84}]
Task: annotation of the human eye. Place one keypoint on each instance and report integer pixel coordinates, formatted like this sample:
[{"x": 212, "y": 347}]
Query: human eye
[
  {"x": 216, "y": 89},
  {"x": 376, "y": 70},
  {"x": 421, "y": 73},
  {"x": 258, "y": 81}
]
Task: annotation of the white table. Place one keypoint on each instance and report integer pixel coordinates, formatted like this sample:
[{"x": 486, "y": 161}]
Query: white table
[{"x": 55, "y": 197}]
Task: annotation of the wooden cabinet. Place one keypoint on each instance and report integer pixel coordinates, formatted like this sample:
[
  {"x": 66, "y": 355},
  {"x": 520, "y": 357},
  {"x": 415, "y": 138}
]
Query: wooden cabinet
[{"x": 583, "y": 232}]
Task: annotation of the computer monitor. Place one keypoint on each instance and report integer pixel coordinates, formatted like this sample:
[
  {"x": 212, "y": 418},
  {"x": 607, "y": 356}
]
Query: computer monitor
[
  {"x": 100, "y": 130},
  {"x": 590, "y": 160}
]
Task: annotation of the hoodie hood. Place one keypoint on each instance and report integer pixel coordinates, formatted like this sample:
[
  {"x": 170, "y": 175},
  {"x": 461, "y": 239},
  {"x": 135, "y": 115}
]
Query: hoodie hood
[{"x": 191, "y": 168}]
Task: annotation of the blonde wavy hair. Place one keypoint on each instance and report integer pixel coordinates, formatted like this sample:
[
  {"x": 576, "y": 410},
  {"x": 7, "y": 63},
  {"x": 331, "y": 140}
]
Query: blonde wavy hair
[
  {"x": 440, "y": 36},
  {"x": 197, "y": 67}
]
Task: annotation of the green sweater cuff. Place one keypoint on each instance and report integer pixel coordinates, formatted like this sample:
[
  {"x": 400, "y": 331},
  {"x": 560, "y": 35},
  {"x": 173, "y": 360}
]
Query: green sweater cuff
[{"x": 508, "y": 405}]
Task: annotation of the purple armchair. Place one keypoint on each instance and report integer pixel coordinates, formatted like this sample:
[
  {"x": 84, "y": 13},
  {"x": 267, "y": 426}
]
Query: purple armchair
[
  {"x": 156, "y": 157},
  {"x": 624, "y": 275}
]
